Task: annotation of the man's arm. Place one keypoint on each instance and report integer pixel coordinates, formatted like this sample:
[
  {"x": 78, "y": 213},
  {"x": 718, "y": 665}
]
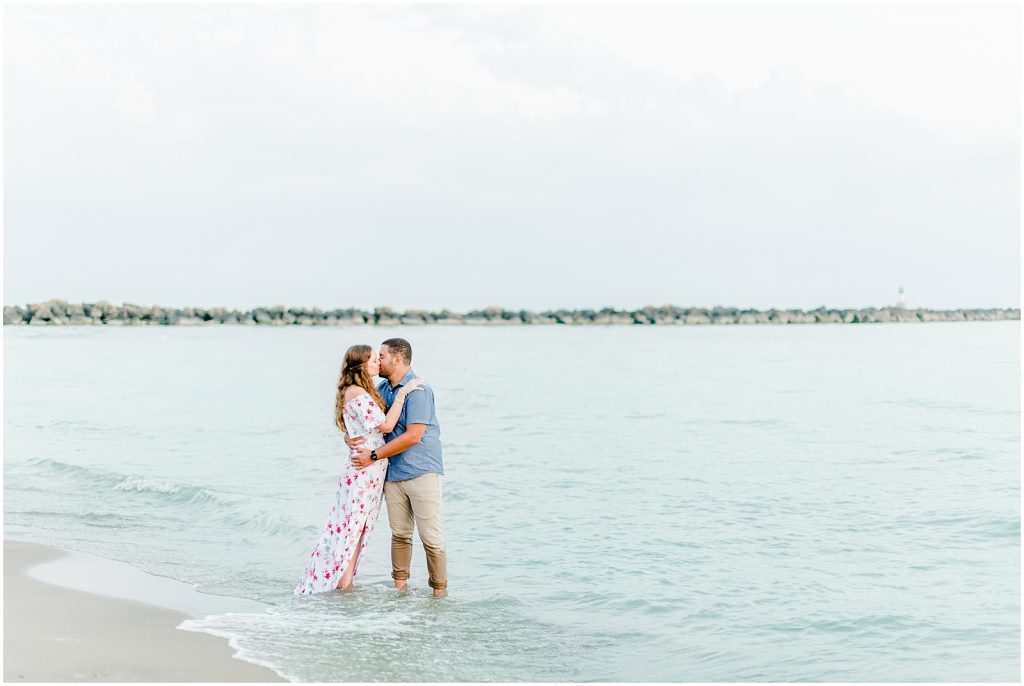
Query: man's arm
[
  {"x": 353, "y": 442},
  {"x": 412, "y": 436}
]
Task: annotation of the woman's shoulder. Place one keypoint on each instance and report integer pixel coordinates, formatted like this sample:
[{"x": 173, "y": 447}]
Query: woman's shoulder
[{"x": 353, "y": 392}]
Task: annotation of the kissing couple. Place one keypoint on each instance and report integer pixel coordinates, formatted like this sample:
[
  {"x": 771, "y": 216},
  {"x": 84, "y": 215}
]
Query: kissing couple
[{"x": 394, "y": 440}]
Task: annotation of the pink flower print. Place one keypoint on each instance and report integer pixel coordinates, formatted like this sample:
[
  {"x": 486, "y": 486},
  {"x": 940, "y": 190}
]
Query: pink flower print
[
  {"x": 349, "y": 481},
  {"x": 371, "y": 404},
  {"x": 327, "y": 575}
]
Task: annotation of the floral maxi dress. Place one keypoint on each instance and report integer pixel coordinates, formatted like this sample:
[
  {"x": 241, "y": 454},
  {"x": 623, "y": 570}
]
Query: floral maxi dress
[{"x": 356, "y": 507}]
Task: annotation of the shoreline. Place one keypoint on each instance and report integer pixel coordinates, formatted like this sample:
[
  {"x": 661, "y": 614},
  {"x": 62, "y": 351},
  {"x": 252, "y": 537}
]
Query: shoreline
[
  {"x": 58, "y": 312},
  {"x": 98, "y": 629}
]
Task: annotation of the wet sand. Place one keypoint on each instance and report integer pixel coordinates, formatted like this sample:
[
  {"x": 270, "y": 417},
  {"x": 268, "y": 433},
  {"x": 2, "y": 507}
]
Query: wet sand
[{"x": 58, "y": 634}]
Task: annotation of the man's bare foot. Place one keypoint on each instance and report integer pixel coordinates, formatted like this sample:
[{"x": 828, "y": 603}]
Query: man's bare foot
[
  {"x": 400, "y": 585},
  {"x": 440, "y": 593}
]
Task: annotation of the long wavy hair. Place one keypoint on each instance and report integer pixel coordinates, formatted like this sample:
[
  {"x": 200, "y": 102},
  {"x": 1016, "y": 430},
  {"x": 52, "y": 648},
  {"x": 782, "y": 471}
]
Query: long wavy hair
[{"x": 354, "y": 373}]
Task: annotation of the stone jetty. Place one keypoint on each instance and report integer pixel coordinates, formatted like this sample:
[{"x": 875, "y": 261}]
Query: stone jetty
[{"x": 103, "y": 313}]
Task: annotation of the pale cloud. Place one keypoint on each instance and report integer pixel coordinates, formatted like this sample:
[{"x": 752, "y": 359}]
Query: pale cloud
[
  {"x": 946, "y": 66},
  {"x": 531, "y": 155}
]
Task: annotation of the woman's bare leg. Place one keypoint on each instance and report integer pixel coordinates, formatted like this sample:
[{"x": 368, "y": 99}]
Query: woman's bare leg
[{"x": 350, "y": 573}]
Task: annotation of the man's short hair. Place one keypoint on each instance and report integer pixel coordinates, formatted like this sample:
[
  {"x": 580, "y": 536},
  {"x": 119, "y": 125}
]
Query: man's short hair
[{"x": 400, "y": 346}]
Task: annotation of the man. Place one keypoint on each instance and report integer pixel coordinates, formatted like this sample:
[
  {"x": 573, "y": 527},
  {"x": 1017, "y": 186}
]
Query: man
[{"x": 412, "y": 487}]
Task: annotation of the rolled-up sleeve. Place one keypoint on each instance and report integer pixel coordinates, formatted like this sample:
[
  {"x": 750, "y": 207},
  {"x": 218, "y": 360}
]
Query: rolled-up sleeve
[{"x": 419, "y": 406}]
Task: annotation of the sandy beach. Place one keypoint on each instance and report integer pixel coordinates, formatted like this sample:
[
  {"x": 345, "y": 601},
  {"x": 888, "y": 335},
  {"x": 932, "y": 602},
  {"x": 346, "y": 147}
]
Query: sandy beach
[{"x": 58, "y": 634}]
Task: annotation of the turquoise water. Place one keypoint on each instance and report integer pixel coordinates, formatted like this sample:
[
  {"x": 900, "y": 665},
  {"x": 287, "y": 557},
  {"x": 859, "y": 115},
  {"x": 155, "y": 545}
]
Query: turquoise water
[{"x": 791, "y": 503}]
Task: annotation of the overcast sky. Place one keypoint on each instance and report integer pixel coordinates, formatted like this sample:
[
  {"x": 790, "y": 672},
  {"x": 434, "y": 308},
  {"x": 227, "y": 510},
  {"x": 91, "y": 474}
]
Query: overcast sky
[{"x": 522, "y": 156}]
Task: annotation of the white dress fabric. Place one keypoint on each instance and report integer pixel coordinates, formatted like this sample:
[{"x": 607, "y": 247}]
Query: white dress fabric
[{"x": 356, "y": 506}]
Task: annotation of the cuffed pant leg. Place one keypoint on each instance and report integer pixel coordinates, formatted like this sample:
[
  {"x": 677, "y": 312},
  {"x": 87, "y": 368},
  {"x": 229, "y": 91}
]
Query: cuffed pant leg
[
  {"x": 424, "y": 495},
  {"x": 400, "y": 517}
]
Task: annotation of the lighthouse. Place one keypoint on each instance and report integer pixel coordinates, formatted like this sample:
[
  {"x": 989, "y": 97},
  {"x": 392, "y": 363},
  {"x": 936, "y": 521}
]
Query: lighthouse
[{"x": 901, "y": 304}]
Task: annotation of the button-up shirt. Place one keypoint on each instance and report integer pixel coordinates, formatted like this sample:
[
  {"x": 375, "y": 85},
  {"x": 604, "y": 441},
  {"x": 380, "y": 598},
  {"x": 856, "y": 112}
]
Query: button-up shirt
[{"x": 425, "y": 456}]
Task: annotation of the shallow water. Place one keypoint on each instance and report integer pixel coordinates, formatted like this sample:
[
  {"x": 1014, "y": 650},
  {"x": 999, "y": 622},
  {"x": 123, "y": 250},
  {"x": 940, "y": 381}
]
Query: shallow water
[{"x": 821, "y": 502}]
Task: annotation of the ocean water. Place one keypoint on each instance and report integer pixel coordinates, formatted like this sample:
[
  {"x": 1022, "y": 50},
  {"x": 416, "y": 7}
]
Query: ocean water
[{"x": 769, "y": 503}]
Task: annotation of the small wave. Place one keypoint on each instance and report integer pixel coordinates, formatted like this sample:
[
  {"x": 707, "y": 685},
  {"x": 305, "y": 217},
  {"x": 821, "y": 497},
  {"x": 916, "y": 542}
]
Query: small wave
[
  {"x": 139, "y": 485},
  {"x": 859, "y": 625},
  {"x": 952, "y": 453},
  {"x": 259, "y": 637},
  {"x": 968, "y": 526},
  {"x": 237, "y": 512},
  {"x": 234, "y": 641},
  {"x": 269, "y": 523},
  {"x": 949, "y": 406},
  {"x": 750, "y": 422},
  {"x": 118, "y": 481},
  {"x": 79, "y": 427}
]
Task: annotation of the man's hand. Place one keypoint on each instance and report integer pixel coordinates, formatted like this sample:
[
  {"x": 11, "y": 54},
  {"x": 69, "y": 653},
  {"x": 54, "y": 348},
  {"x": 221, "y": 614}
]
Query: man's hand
[
  {"x": 354, "y": 443},
  {"x": 361, "y": 459}
]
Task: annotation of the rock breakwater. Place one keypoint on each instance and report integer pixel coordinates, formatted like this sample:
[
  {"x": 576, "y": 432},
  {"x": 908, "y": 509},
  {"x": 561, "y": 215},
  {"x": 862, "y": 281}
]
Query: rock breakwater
[{"x": 103, "y": 313}]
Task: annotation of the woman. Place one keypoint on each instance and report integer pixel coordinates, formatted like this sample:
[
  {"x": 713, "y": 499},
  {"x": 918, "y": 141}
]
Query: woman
[{"x": 359, "y": 410}]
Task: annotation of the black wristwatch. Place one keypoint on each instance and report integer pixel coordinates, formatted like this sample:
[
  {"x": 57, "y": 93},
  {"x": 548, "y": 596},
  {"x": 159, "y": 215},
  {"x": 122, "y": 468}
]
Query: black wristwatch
[{"x": 373, "y": 455}]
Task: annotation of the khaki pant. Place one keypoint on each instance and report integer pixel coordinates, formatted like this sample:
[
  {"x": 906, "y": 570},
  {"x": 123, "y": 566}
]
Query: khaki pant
[{"x": 417, "y": 501}]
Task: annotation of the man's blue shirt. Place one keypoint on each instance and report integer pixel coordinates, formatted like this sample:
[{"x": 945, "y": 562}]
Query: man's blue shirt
[{"x": 423, "y": 457}]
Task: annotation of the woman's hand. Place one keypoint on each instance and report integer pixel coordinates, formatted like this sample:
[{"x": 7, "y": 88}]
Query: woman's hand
[
  {"x": 413, "y": 385},
  {"x": 353, "y": 443},
  {"x": 398, "y": 406}
]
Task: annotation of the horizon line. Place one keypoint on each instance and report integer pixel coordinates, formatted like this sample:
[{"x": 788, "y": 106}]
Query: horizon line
[{"x": 501, "y": 308}]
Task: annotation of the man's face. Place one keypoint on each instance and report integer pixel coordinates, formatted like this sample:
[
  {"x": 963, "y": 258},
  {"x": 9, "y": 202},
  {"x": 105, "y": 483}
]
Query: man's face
[{"x": 387, "y": 361}]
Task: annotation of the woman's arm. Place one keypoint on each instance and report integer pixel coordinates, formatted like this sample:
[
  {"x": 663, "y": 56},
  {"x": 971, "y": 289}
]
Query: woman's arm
[
  {"x": 353, "y": 442},
  {"x": 395, "y": 411}
]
